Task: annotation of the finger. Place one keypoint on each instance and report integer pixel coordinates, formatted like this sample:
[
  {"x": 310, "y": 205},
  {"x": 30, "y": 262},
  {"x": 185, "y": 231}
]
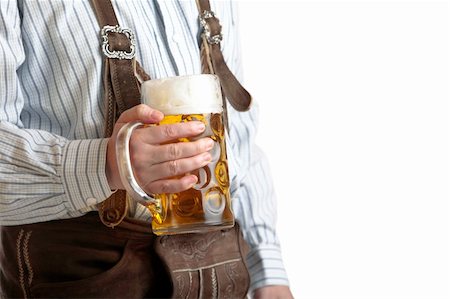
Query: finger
[
  {"x": 176, "y": 167},
  {"x": 166, "y": 133},
  {"x": 143, "y": 113},
  {"x": 179, "y": 150},
  {"x": 172, "y": 185}
]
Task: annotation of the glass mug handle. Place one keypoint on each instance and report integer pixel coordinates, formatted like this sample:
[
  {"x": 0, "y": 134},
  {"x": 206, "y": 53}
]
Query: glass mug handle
[{"x": 126, "y": 171}]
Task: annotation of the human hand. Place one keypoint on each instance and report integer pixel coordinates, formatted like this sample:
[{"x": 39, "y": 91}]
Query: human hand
[
  {"x": 157, "y": 166},
  {"x": 273, "y": 292}
]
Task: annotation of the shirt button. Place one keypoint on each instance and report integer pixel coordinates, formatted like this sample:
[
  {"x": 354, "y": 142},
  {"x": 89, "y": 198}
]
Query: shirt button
[{"x": 91, "y": 201}]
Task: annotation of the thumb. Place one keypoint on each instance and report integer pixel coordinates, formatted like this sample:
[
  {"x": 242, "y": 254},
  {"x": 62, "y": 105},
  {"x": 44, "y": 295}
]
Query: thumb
[{"x": 142, "y": 113}]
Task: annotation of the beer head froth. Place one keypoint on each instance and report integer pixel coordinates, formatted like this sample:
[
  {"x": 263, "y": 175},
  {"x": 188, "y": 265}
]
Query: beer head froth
[{"x": 193, "y": 94}]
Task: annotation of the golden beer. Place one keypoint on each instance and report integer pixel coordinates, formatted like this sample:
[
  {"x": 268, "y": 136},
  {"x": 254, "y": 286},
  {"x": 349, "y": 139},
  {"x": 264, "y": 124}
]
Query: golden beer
[{"x": 207, "y": 205}]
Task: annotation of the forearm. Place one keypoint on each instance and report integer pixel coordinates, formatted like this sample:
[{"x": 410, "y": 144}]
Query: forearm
[
  {"x": 254, "y": 202},
  {"x": 257, "y": 206},
  {"x": 44, "y": 176}
]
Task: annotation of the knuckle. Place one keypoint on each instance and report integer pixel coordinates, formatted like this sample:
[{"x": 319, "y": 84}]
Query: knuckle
[
  {"x": 152, "y": 159},
  {"x": 173, "y": 167},
  {"x": 165, "y": 187},
  {"x": 174, "y": 151},
  {"x": 141, "y": 109},
  {"x": 170, "y": 131}
]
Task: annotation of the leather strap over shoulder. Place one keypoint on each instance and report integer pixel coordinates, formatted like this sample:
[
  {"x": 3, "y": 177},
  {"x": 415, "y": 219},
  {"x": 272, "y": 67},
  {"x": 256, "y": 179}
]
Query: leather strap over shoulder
[
  {"x": 119, "y": 50},
  {"x": 121, "y": 91},
  {"x": 214, "y": 62}
]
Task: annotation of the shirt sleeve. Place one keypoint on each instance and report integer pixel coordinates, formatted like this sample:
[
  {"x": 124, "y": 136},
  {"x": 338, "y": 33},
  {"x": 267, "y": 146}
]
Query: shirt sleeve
[
  {"x": 253, "y": 196},
  {"x": 43, "y": 176}
]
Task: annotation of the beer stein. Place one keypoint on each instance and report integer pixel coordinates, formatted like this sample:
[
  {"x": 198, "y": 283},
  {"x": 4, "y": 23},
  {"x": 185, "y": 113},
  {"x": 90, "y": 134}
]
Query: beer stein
[{"x": 207, "y": 205}]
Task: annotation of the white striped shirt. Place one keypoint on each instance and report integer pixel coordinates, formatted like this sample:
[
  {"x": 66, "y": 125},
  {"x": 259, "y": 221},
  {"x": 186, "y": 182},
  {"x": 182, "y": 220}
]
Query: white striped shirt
[{"x": 52, "y": 151}]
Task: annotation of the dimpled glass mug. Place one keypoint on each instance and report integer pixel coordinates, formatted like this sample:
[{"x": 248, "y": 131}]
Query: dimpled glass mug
[{"x": 207, "y": 205}]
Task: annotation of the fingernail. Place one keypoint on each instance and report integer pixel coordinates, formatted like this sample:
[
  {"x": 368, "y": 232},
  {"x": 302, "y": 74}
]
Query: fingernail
[
  {"x": 156, "y": 114},
  {"x": 209, "y": 144},
  {"x": 207, "y": 157},
  {"x": 192, "y": 181},
  {"x": 199, "y": 126}
]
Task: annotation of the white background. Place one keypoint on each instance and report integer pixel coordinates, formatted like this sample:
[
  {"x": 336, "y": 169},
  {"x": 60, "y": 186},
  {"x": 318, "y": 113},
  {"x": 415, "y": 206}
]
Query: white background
[{"x": 355, "y": 122}]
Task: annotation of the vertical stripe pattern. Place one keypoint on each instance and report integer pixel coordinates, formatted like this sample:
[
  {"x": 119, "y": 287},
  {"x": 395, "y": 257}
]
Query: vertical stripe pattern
[{"x": 52, "y": 154}]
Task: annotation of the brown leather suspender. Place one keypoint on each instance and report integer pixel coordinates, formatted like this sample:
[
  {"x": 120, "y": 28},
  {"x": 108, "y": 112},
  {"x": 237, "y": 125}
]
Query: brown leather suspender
[
  {"x": 121, "y": 92},
  {"x": 121, "y": 84},
  {"x": 119, "y": 78},
  {"x": 236, "y": 94}
]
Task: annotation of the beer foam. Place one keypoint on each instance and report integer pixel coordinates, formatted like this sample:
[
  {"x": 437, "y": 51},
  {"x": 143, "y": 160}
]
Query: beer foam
[{"x": 195, "y": 94}]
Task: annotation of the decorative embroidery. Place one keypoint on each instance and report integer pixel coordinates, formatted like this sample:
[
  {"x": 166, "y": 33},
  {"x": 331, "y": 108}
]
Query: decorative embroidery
[
  {"x": 192, "y": 248},
  {"x": 215, "y": 293},
  {"x": 202, "y": 257},
  {"x": 26, "y": 257},
  {"x": 182, "y": 288},
  {"x": 200, "y": 291},
  {"x": 22, "y": 250},
  {"x": 233, "y": 275},
  {"x": 19, "y": 263},
  {"x": 180, "y": 282},
  {"x": 190, "y": 285},
  {"x": 207, "y": 267}
]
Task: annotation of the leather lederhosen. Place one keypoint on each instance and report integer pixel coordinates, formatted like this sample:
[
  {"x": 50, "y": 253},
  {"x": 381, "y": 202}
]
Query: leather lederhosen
[
  {"x": 82, "y": 258},
  {"x": 85, "y": 258}
]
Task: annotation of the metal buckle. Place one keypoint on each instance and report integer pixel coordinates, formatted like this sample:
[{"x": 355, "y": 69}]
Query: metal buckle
[
  {"x": 215, "y": 39},
  {"x": 118, "y": 54}
]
